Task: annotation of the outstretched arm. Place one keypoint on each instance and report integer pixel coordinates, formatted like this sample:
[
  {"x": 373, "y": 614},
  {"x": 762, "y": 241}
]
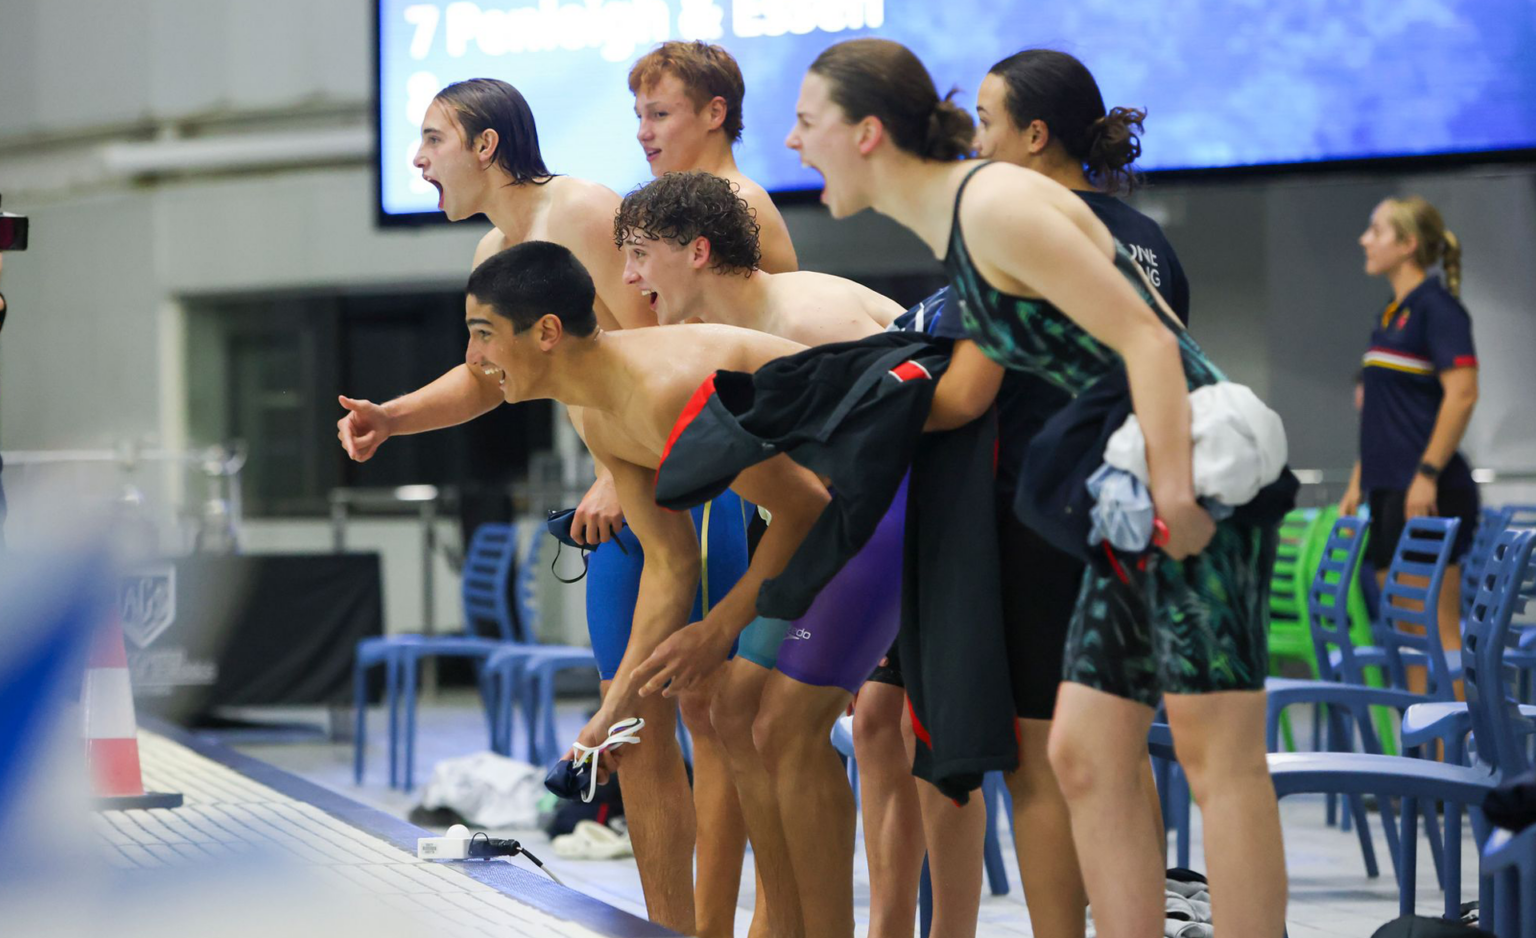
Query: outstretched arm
[{"x": 457, "y": 397}]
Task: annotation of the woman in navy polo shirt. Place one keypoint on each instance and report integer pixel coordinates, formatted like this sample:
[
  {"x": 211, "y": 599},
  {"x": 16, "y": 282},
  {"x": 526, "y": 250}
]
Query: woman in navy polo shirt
[{"x": 1420, "y": 383}]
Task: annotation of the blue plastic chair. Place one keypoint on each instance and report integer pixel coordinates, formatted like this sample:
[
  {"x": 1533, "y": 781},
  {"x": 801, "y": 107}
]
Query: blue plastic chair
[
  {"x": 1496, "y": 727},
  {"x": 487, "y": 567},
  {"x": 1329, "y": 624},
  {"x": 842, "y": 741},
  {"x": 522, "y": 674},
  {"x": 1423, "y": 551},
  {"x": 1509, "y": 861},
  {"x": 1490, "y": 521}
]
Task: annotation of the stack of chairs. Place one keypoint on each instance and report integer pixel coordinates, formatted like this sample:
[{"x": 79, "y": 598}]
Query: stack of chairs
[{"x": 498, "y": 637}]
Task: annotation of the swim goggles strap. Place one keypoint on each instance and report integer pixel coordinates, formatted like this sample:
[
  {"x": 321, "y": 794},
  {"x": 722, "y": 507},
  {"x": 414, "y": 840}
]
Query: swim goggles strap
[{"x": 624, "y": 731}]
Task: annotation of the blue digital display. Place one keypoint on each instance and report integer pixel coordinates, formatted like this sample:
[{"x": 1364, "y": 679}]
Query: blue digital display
[{"x": 1226, "y": 83}]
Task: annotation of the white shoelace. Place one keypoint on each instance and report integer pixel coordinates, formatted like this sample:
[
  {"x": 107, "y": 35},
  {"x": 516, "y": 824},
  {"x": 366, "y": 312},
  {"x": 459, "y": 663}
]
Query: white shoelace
[{"x": 619, "y": 733}]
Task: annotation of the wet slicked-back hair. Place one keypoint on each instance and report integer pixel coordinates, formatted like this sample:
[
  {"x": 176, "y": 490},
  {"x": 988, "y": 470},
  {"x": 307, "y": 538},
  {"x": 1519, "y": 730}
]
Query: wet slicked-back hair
[
  {"x": 481, "y": 104},
  {"x": 680, "y": 207},
  {"x": 534, "y": 279}
]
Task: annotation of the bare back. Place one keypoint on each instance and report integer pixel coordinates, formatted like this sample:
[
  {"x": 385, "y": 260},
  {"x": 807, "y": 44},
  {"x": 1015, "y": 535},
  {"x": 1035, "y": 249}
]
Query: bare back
[
  {"x": 814, "y": 309},
  {"x": 669, "y": 364}
]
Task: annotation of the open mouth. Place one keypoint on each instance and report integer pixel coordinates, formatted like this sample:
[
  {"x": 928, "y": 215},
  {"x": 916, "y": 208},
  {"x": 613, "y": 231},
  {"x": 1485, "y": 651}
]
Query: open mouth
[
  {"x": 650, "y": 298},
  {"x": 493, "y": 372},
  {"x": 650, "y": 155},
  {"x": 438, "y": 186}
]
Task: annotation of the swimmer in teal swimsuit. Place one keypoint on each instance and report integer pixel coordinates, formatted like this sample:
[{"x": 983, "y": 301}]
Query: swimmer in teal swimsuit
[{"x": 1042, "y": 287}]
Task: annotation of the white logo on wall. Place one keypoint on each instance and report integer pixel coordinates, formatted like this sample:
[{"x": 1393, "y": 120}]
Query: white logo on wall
[
  {"x": 146, "y": 602},
  {"x": 618, "y": 28}
]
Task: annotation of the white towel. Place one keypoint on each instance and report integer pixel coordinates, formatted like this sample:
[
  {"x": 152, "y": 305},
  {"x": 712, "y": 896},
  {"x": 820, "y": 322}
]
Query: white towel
[{"x": 1239, "y": 444}]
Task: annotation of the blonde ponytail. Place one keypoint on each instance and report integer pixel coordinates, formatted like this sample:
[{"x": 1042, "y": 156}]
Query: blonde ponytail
[{"x": 1450, "y": 262}]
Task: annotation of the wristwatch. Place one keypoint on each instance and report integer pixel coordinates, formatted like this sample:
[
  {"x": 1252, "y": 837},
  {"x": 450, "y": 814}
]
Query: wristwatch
[{"x": 1428, "y": 471}]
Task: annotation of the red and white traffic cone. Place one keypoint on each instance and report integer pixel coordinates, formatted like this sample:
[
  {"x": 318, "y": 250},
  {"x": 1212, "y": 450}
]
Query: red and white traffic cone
[{"x": 111, "y": 729}]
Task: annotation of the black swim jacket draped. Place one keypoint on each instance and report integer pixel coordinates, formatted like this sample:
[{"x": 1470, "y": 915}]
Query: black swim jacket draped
[{"x": 853, "y": 413}]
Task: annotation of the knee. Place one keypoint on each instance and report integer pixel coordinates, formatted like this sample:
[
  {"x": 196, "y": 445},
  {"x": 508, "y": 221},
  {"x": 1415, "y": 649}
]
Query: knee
[
  {"x": 1071, "y": 762},
  {"x": 1083, "y": 763},
  {"x": 697, "y": 714},
  {"x": 774, "y": 733},
  {"x": 732, "y": 714},
  {"x": 1211, "y": 772},
  {"x": 875, "y": 730}
]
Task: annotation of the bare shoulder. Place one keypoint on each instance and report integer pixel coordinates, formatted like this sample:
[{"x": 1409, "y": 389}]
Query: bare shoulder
[
  {"x": 580, "y": 216},
  {"x": 773, "y": 234},
  {"x": 755, "y": 196},
  {"x": 1011, "y": 195},
  {"x": 713, "y": 346},
  {"x": 825, "y": 297},
  {"x": 879, "y": 307},
  {"x": 1006, "y": 203},
  {"x": 580, "y": 212},
  {"x": 492, "y": 244},
  {"x": 582, "y": 197}
]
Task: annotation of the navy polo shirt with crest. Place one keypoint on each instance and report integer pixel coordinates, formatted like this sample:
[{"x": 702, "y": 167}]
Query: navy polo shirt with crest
[{"x": 1413, "y": 342}]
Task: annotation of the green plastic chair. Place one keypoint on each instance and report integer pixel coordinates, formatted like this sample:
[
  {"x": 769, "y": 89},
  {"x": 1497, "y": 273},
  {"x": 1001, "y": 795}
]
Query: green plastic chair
[
  {"x": 1360, "y": 622},
  {"x": 1302, "y": 537},
  {"x": 1290, "y": 638}
]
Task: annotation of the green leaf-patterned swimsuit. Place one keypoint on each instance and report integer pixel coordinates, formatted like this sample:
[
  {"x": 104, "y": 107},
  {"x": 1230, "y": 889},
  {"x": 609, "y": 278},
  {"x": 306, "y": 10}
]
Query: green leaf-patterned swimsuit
[{"x": 1182, "y": 627}]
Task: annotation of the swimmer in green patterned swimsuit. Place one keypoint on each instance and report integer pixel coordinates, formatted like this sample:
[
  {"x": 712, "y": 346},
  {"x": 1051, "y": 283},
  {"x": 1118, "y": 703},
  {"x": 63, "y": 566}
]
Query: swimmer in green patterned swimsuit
[{"x": 1042, "y": 287}]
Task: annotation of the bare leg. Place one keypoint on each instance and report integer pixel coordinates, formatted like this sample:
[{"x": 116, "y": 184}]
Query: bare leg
[
  {"x": 733, "y": 713},
  {"x": 1220, "y": 743},
  {"x": 955, "y": 835},
  {"x": 1053, "y": 884},
  {"x": 893, "y": 826},
  {"x": 722, "y": 834},
  {"x": 759, "y": 926},
  {"x": 1098, "y": 744},
  {"x": 659, "y": 809},
  {"x": 1450, "y": 613},
  {"x": 793, "y": 732}
]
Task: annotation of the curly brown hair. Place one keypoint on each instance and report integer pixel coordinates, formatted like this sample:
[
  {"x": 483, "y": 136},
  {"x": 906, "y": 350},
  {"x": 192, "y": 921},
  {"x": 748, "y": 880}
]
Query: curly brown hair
[{"x": 680, "y": 207}]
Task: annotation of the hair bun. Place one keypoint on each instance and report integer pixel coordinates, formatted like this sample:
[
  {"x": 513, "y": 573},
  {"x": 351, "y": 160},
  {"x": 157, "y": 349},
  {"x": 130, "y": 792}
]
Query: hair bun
[
  {"x": 1114, "y": 143},
  {"x": 951, "y": 131}
]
